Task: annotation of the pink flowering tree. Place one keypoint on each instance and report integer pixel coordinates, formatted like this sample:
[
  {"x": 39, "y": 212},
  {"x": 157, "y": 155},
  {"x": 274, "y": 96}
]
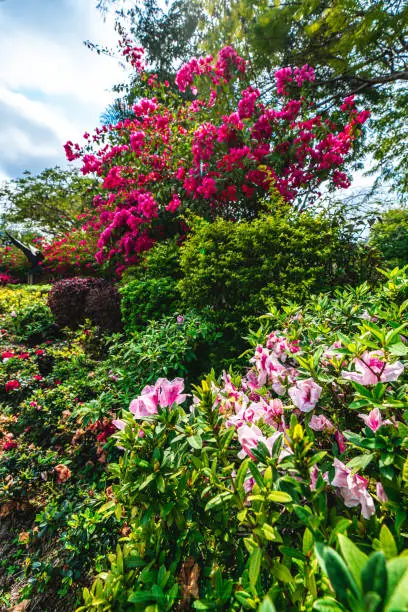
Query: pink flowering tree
[{"x": 225, "y": 153}]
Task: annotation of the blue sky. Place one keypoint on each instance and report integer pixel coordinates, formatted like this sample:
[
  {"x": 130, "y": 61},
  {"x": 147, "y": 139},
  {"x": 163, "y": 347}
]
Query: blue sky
[{"x": 52, "y": 88}]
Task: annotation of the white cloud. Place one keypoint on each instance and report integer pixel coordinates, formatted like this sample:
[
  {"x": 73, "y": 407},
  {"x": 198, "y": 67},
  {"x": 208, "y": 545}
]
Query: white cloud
[
  {"x": 52, "y": 88},
  {"x": 39, "y": 113}
]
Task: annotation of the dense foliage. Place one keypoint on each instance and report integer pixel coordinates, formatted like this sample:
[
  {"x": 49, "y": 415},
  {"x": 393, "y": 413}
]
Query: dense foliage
[
  {"x": 146, "y": 300},
  {"x": 234, "y": 496},
  {"x": 164, "y": 443},
  {"x": 238, "y": 268},
  {"x": 357, "y": 47},
  {"x": 47, "y": 203},
  {"x": 390, "y": 235}
]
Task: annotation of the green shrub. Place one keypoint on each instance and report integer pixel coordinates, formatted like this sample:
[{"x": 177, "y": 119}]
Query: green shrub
[
  {"x": 172, "y": 346},
  {"x": 390, "y": 236},
  {"x": 147, "y": 300},
  {"x": 161, "y": 260},
  {"x": 237, "y": 267},
  {"x": 32, "y": 323}
]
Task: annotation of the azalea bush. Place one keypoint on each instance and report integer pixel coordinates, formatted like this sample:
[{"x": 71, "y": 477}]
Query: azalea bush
[
  {"x": 176, "y": 344},
  {"x": 224, "y": 154},
  {"x": 239, "y": 495}
]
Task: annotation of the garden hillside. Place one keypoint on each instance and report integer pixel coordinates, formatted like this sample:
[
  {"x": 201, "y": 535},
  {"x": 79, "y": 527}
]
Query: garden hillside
[{"x": 204, "y": 382}]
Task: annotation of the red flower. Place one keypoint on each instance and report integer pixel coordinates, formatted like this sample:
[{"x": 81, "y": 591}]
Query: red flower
[
  {"x": 9, "y": 445},
  {"x": 12, "y": 384}
]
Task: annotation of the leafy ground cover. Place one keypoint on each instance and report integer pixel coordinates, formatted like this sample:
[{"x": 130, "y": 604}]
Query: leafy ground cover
[{"x": 130, "y": 481}]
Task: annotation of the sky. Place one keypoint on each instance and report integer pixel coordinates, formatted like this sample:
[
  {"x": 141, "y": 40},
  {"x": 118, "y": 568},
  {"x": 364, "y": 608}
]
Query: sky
[{"x": 52, "y": 87}]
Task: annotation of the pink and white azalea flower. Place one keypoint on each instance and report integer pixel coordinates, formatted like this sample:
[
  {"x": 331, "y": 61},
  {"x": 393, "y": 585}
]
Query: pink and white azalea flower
[
  {"x": 353, "y": 489},
  {"x": 305, "y": 394},
  {"x": 370, "y": 368},
  {"x": 374, "y": 420},
  {"x": 249, "y": 437},
  {"x": 119, "y": 424},
  {"x": 321, "y": 423},
  {"x": 341, "y": 441},
  {"x": 170, "y": 392},
  {"x": 381, "y": 494},
  {"x": 144, "y": 405},
  {"x": 164, "y": 393}
]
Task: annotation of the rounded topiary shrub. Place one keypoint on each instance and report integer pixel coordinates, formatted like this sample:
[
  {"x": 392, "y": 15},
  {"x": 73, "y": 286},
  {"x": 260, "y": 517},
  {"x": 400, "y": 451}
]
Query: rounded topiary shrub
[{"x": 73, "y": 300}]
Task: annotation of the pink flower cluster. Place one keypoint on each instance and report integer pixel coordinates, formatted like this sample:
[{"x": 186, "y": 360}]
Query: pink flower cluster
[
  {"x": 163, "y": 393},
  {"x": 293, "y": 75},
  {"x": 353, "y": 489},
  {"x": 228, "y": 65},
  {"x": 247, "y": 406}
]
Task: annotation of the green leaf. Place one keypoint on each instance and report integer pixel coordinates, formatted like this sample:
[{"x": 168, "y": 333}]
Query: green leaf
[
  {"x": 360, "y": 462},
  {"x": 195, "y": 442},
  {"x": 338, "y": 573},
  {"x": 353, "y": 556},
  {"x": 256, "y": 475},
  {"x": 218, "y": 500},
  {"x": 281, "y": 572},
  {"x": 140, "y": 597},
  {"x": 279, "y": 497},
  {"x": 201, "y": 605},
  {"x": 307, "y": 542},
  {"x": 405, "y": 471},
  {"x": 398, "y": 598},
  {"x": 397, "y": 570},
  {"x": 254, "y": 566},
  {"x": 327, "y": 604},
  {"x": 267, "y": 606},
  {"x": 372, "y": 602},
  {"x": 398, "y": 349},
  {"x": 292, "y": 552},
  {"x": 269, "y": 532},
  {"x": 374, "y": 575},
  {"x": 241, "y": 474},
  {"x": 388, "y": 545}
]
